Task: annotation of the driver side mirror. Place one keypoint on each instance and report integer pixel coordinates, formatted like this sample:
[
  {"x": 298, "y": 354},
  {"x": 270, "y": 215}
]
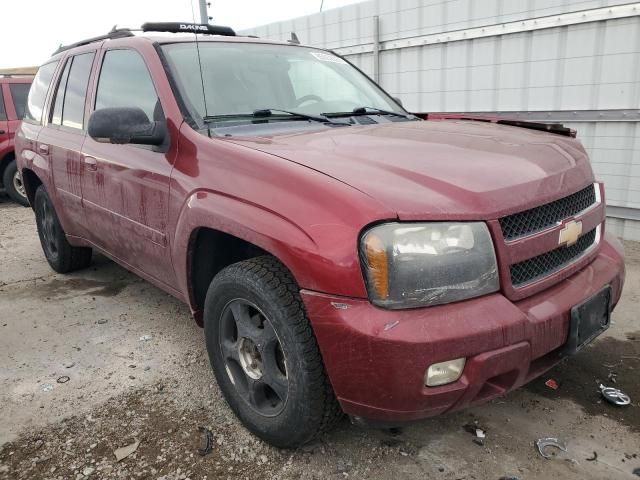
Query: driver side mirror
[{"x": 124, "y": 125}]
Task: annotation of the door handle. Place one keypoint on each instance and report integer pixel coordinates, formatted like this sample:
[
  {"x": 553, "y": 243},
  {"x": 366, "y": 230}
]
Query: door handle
[
  {"x": 43, "y": 148},
  {"x": 91, "y": 163},
  {"x": 2, "y": 132}
]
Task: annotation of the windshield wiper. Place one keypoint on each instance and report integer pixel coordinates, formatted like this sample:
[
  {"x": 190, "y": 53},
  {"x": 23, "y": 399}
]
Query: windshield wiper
[
  {"x": 268, "y": 112},
  {"x": 370, "y": 111}
]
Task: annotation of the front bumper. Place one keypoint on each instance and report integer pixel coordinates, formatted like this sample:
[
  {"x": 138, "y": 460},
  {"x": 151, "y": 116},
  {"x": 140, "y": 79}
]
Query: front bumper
[{"x": 376, "y": 359}]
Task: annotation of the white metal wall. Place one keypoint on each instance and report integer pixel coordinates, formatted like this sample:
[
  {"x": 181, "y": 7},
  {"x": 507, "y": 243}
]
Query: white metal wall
[{"x": 575, "y": 61}]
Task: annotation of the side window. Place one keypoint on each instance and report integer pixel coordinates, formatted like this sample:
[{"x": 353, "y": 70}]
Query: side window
[
  {"x": 56, "y": 115},
  {"x": 3, "y": 112},
  {"x": 68, "y": 108},
  {"x": 19, "y": 93},
  {"x": 38, "y": 92},
  {"x": 125, "y": 82}
]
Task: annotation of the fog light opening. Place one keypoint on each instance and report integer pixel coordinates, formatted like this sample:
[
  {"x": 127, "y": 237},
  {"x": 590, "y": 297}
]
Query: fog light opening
[{"x": 444, "y": 372}]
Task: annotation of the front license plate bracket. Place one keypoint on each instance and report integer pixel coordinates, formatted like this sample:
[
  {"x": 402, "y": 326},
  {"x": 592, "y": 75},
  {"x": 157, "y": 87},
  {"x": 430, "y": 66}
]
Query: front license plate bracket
[{"x": 588, "y": 320}]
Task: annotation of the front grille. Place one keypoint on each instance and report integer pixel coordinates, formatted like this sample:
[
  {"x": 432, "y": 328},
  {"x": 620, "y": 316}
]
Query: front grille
[
  {"x": 545, "y": 216},
  {"x": 550, "y": 262}
]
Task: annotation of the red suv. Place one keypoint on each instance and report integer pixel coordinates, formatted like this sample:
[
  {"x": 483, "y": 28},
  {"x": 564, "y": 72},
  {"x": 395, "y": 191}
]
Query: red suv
[
  {"x": 342, "y": 254},
  {"x": 13, "y": 99}
]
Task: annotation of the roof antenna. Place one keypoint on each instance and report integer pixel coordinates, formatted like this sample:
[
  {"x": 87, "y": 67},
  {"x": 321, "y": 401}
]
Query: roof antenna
[
  {"x": 204, "y": 95},
  {"x": 294, "y": 39},
  {"x": 321, "y": 5}
]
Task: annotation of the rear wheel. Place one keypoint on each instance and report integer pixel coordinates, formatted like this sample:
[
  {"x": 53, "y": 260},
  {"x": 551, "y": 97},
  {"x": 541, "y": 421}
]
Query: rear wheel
[
  {"x": 14, "y": 185},
  {"x": 62, "y": 257},
  {"x": 264, "y": 353}
]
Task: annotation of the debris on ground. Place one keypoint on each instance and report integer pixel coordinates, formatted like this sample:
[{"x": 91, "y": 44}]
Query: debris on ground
[
  {"x": 636, "y": 472},
  {"x": 124, "y": 452},
  {"x": 475, "y": 429},
  {"x": 102, "y": 321},
  {"x": 47, "y": 387},
  {"x": 592, "y": 459},
  {"x": 612, "y": 377},
  {"x": 478, "y": 431},
  {"x": 615, "y": 396},
  {"x": 145, "y": 338},
  {"x": 543, "y": 443},
  {"x": 343, "y": 466},
  {"x": 552, "y": 384},
  {"x": 63, "y": 379},
  {"x": 206, "y": 441}
]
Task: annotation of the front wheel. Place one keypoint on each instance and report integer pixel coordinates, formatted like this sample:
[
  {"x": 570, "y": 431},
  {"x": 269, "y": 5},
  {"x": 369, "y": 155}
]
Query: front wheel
[
  {"x": 264, "y": 353},
  {"x": 14, "y": 185},
  {"x": 62, "y": 257}
]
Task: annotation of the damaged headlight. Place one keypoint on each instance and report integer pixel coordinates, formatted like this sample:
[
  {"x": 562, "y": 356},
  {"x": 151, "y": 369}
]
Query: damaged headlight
[{"x": 410, "y": 265}]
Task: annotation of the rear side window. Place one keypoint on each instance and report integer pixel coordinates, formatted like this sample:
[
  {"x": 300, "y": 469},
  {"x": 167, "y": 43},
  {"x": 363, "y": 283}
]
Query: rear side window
[
  {"x": 125, "y": 82},
  {"x": 38, "y": 92},
  {"x": 68, "y": 108},
  {"x": 19, "y": 94}
]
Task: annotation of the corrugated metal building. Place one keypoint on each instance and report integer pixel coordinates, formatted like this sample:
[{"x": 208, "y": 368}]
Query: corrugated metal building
[{"x": 575, "y": 61}]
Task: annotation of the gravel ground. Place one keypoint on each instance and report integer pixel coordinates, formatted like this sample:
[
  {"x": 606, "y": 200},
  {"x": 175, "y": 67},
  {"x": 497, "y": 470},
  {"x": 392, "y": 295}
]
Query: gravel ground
[{"x": 99, "y": 360}]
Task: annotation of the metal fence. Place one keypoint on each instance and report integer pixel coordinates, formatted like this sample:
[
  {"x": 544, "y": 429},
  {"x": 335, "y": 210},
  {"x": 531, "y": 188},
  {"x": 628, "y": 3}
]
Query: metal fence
[{"x": 572, "y": 61}]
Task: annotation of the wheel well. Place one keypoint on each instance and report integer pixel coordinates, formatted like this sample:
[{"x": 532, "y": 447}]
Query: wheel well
[
  {"x": 211, "y": 251},
  {"x": 31, "y": 183},
  {"x": 4, "y": 162}
]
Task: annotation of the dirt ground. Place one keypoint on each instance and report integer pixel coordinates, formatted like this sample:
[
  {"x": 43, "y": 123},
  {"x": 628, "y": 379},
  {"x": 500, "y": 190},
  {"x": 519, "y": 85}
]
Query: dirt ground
[{"x": 100, "y": 359}]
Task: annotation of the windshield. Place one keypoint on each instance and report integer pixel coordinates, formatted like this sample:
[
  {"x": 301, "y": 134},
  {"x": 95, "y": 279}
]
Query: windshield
[{"x": 241, "y": 78}]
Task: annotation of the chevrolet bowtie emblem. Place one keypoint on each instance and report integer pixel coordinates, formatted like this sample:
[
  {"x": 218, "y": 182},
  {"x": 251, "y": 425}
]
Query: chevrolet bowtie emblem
[{"x": 570, "y": 233}]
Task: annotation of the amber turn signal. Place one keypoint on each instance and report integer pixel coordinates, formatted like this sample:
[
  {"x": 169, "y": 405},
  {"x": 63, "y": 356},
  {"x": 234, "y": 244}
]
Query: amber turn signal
[{"x": 378, "y": 264}]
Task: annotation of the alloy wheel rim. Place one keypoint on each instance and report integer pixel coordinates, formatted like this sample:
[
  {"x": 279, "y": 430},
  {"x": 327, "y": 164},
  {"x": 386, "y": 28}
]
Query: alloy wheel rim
[
  {"x": 253, "y": 357},
  {"x": 18, "y": 184}
]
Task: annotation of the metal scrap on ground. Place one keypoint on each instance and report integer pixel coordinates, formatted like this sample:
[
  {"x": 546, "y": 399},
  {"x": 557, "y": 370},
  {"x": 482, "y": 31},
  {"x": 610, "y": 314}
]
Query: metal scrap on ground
[
  {"x": 543, "y": 443},
  {"x": 124, "y": 452},
  {"x": 206, "y": 441}
]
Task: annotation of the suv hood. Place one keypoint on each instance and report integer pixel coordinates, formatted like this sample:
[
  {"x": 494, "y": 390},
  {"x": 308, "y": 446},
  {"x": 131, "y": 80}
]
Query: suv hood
[{"x": 440, "y": 169}]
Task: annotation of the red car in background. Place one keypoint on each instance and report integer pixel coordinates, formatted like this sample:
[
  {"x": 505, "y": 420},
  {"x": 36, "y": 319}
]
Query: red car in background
[{"x": 13, "y": 100}]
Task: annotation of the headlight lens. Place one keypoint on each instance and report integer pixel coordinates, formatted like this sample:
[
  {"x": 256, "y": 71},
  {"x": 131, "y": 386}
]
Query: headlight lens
[{"x": 411, "y": 265}]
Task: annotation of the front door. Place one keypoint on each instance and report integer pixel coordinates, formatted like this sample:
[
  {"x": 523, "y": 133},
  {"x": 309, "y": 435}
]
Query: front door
[{"x": 126, "y": 187}]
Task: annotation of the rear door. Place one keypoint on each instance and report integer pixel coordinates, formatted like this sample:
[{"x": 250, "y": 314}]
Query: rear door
[
  {"x": 31, "y": 125},
  {"x": 126, "y": 187},
  {"x": 63, "y": 136}
]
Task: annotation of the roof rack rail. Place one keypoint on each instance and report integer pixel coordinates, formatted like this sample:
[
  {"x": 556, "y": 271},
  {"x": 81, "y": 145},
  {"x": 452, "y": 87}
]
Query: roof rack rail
[
  {"x": 181, "y": 27},
  {"x": 113, "y": 34},
  {"x": 172, "y": 27}
]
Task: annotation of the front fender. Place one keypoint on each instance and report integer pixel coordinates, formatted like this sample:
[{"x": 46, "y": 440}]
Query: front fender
[
  {"x": 306, "y": 219},
  {"x": 256, "y": 224}
]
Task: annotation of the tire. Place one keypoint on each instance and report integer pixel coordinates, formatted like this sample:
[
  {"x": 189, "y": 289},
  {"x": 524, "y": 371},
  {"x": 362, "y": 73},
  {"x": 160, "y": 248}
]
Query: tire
[
  {"x": 265, "y": 356},
  {"x": 12, "y": 181},
  {"x": 62, "y": 257}
]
